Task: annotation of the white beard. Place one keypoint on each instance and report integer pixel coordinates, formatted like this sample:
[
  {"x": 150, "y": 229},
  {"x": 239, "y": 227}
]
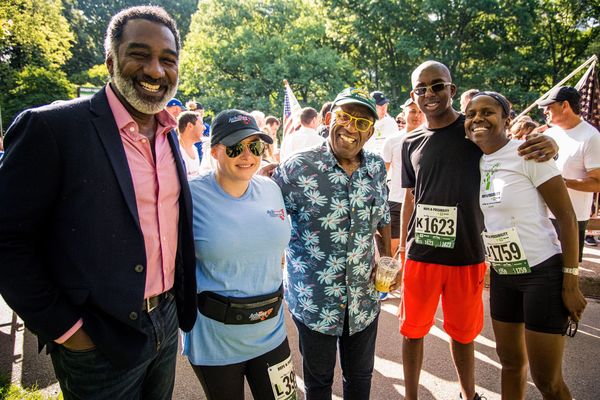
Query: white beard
[{"x": 126, "y": 88}]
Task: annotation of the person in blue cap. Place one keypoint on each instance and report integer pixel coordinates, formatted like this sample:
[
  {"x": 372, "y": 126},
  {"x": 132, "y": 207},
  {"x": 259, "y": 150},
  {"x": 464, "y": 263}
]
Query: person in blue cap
[{"x": 175, "y": 107}]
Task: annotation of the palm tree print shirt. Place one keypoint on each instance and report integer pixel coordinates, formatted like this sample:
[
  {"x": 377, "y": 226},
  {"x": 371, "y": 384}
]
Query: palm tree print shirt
[{"x": 331, "y": 253}]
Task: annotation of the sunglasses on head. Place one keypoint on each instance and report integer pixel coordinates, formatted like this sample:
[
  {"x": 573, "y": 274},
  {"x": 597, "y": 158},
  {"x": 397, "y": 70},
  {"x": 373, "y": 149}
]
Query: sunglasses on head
[
  {"x": 436, "y": 87},
  {"x": 343, "y": 118},
  {"x": 257, "y": 149}
]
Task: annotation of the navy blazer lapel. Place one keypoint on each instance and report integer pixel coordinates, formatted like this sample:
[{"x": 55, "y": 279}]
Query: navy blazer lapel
[
  {"x": 174, "y": 143},
  {"x": 107, "y": 130},
  {"x": 185, "y": 198}
]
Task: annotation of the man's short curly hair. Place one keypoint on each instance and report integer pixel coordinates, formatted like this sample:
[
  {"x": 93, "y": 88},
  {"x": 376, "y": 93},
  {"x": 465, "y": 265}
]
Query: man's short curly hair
[{"x": 114, "y": 32}]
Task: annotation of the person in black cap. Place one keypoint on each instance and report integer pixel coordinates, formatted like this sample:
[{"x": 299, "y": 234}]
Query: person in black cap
[
  {"x": 337, "y": 198},
  {"x": 385, "y": 126},
  {"x": 240, "y": 232},
  {"x": 578, "y": 153}
]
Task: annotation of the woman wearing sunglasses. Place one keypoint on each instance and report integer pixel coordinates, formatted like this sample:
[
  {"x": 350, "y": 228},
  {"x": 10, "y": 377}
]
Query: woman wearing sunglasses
[
  {"x": 240, "y": 232},
  {"x": 534, "y": 286}
]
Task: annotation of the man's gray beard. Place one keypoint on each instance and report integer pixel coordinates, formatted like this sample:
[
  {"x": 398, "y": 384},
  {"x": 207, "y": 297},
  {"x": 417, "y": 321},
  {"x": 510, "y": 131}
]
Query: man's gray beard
[{"x": 126, "y": 88}]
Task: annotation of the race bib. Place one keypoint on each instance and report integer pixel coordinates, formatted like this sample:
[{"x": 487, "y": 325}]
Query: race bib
[
  {"x": 436, "y": 226},
  {"x": 283, "y": 380},
  {"x": 504, "y": 251}
]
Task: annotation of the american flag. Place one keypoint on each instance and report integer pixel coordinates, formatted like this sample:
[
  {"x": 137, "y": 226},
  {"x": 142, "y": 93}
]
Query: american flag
[
  {"x": 291, "y": 109},
  {"x": 589, "y": 90}
]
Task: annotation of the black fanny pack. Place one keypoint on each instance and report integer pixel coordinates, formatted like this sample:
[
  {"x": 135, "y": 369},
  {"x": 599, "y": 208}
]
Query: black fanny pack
[{"x": 240, "y": 310}]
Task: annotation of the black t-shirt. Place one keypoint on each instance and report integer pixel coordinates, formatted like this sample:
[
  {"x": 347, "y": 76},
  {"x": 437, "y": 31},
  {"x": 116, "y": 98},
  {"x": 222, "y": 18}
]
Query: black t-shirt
[{"x": 443, "y": 168}]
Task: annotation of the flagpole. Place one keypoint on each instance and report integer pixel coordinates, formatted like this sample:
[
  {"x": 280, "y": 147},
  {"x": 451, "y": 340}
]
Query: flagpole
[
  {"x": 283, "y": 118},
  {"x": 593, "y": 58}
]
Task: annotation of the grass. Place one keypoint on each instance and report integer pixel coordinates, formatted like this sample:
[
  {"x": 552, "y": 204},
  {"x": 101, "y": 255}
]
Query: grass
[{"x": 9, "y": 391}]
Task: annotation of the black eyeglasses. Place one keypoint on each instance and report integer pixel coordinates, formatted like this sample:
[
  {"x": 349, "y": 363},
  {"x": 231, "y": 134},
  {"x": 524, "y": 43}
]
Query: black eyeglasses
[
  {"x": 256, "y": 148},
  {"x": 436, "y": 87},
  {"x": 571, "y": 329}
]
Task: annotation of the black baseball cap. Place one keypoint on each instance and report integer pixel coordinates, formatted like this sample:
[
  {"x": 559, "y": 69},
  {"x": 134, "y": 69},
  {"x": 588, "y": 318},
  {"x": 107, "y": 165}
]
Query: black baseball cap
[
  {"x": 232, "y": 126},
  {"x": 561, "y": 93},
  {"x": 380, "y": 98}
]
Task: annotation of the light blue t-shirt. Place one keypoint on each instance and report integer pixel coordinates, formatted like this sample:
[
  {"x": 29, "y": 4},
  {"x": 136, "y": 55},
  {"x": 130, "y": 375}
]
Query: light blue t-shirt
[{"x": 239, "y": 245}]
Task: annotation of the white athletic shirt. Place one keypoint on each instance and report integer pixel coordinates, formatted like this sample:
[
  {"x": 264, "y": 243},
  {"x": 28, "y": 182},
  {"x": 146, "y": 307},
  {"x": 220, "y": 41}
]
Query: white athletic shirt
[
  {"x": 508, "y": 198},
  {"x": 578, "y": 152},
  {"x": 303, "y": 139},
  {"x": 384, "y": 128},
  {"x": 192, "y": 165},
  {"x": 392, "y": 154}
]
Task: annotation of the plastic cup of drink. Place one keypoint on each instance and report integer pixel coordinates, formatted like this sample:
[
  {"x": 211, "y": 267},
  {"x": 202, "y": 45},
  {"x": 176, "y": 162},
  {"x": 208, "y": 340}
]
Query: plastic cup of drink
[{"x": 387, "y": 268}]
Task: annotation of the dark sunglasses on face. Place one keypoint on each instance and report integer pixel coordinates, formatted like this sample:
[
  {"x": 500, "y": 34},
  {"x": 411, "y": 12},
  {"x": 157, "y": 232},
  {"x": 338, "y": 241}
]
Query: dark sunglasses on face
[
  {"x": 436, "y": 87},
  {"x": 256, "y": 148}
]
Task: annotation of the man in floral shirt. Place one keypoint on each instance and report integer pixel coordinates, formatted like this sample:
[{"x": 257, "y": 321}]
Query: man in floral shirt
[{"x": 336, "y": 197}]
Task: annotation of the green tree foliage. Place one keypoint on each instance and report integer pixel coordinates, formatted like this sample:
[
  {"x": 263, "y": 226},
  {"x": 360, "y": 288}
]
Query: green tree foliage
[
  {"x": 34, "y": 38},
  {"x": 519, "y": 47},
  {"x": 237, "y": 54},
  {"x": 34, "y": 32},
  {"x": 36, "y": 86}
]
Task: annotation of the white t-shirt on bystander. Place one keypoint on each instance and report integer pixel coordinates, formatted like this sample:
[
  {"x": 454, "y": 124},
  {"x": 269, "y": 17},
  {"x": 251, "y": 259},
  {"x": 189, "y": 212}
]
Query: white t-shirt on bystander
[
  {"x": 392, "y": 154},
  {"x": 578, "y": 152},
  {"x": 303, "y": 139},
  {"x": 192, "y": 164},
  {"x": 384, "y": 128}
]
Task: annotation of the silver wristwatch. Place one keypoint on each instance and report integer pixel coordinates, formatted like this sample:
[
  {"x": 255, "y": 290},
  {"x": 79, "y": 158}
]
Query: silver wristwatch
[{"x": 572, "y": 271}]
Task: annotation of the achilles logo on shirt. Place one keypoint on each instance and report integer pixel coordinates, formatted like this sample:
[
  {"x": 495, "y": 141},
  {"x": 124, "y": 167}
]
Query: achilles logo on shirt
[
  {"x": 276, "y": 213},
  {"x": 261, "y": 315}
]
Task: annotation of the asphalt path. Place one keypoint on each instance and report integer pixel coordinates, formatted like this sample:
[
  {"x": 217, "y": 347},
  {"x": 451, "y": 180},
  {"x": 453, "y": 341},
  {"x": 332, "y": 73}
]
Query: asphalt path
[{"x": 20, "y": 361}]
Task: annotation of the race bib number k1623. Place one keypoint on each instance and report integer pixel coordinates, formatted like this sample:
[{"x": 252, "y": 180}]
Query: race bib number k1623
[
  {"x": 504, "y": 251},
  {"x": 436, "y": 226},
  {"x": 283, "y": 380}
]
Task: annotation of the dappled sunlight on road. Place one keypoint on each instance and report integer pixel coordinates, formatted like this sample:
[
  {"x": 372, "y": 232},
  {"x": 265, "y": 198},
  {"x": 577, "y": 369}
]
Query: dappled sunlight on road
[{"x": 429, "y": 381}]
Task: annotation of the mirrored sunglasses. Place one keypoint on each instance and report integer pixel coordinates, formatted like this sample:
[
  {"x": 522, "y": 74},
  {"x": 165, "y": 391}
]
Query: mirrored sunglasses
[
  {"x": 256, "y": 148},
  {"x": 436, "y": 87}
]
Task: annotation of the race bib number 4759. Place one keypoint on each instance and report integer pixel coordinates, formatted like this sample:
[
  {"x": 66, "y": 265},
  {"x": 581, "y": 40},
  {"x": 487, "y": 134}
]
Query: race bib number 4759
[
  {"x": 283, "y": 380},
  {"x": 435, "y": 226}
]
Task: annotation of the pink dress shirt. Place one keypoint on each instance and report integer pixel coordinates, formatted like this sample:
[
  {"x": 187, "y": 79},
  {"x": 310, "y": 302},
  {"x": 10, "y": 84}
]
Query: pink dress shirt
[{"x": 157, "y": 188}]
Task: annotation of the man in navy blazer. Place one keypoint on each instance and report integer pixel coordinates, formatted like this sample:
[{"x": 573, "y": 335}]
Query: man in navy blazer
[{"x": 95, "y": 222}]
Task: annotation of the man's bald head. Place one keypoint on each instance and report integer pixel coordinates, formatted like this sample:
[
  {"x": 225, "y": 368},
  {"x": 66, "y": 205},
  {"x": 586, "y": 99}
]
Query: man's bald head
[{"x": 430, "y": 65}]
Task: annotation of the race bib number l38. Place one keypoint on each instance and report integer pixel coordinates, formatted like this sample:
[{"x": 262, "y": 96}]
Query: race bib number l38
[
  {"x": 504, "y": 251},
  {"x": 436, "y": 226},
  {"x": 283, "y": 380}
]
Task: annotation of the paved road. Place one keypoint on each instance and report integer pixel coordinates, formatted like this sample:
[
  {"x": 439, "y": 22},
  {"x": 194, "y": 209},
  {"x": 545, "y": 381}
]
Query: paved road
[{"x": 19, "y": 360}]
